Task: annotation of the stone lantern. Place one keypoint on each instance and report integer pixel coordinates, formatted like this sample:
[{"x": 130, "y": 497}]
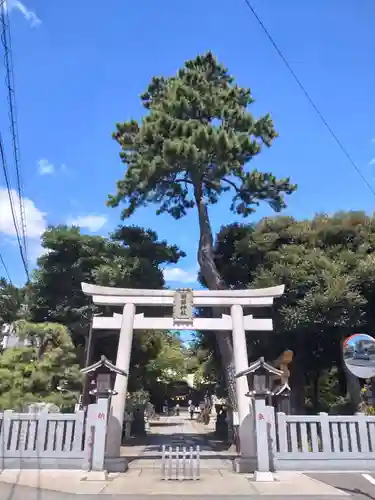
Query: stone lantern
[
  {"x": 260, "y": 376},
  {"x": 103, "y": 375}
]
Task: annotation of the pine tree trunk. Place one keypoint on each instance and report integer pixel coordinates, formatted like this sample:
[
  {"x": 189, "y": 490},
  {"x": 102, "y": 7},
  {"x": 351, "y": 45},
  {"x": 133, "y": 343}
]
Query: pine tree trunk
[
  {"x": 215, "y": 282},
  {"x": 297, "y": 382}
]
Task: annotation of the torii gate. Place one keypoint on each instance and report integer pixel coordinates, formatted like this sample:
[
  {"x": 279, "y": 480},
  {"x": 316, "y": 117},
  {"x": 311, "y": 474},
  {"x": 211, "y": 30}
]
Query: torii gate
[{"x": 183, "y": 302}]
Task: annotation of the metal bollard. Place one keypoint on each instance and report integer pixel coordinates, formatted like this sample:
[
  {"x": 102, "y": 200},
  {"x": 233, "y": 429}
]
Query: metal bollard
[
  {"x": 163, "y": 462},
  {"x": 198, "y": 462},
  {"x": 181, "y": 464},
  {"x": 191, "y": 463}
]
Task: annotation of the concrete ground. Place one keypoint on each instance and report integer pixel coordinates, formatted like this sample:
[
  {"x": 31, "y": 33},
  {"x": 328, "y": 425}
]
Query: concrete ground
[
  {"x": 23, "y": 493},
  {"x": 361, "y": 485},
  {"x": 143, "y": 479},
  {"x": 56, "y": 485}
]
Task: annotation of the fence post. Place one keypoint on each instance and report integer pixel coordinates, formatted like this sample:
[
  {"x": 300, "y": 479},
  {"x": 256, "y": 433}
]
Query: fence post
[
  {"x": 42, "y": 432},
  {"x": 191, "y": 462},
  {"x": 89, "y": 433},
  {"x": 170, "y": 462},
  {"x": 262, "y": 472},
  {"x": 184, "y": 461},
  {"x": 163, "y": 461},
  {"x": 282, "y": 432},
  {"x": 272, "y": 444},
  {"x": 101, "y": 417},
  {"x": 5, "y": 430},
  {"x": 198, "y": 458},
  {"x": 177, "y": 462},
  {"x": 362, "y": 433},
  {"x": 325, "y": 433}
]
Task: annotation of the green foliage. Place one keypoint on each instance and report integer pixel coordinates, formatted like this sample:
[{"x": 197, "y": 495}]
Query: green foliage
[
  {"x": 194, "y": 145},
  {"x": 170, "y": 362},
  {"x": 32, "y": 374},
  {"x": 10, "y": 302},
  {"x": 131, "y": 257},
  {"x": 327, "y": 266},
  {"x": 136, "y": 399}
]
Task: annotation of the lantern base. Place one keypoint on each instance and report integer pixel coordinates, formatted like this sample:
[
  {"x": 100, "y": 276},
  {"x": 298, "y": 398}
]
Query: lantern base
[
  {"x": 244, "y": 465},
  {"x": 96, "y": 475},
  {"x": 118, "y": 464},
  {"x": 263, "y": 477}
]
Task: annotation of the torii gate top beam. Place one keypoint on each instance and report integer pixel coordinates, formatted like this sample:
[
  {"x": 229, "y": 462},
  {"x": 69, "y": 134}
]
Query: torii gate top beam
[{"x": 103, "y": 295}]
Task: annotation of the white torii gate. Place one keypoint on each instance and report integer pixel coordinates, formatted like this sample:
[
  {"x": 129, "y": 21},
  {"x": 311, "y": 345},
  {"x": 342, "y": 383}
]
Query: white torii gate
[{"x": 183, "y": 302}]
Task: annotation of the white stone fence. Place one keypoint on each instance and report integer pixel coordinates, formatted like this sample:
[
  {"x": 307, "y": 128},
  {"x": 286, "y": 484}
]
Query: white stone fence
[
  {"x": 44, "y": 440},
  {"x": 322, "y": 442}
]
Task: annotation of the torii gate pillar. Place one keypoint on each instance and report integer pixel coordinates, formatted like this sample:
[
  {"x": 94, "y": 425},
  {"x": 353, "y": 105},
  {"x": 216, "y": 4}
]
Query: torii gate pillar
[{"x": 116, "y": 415}]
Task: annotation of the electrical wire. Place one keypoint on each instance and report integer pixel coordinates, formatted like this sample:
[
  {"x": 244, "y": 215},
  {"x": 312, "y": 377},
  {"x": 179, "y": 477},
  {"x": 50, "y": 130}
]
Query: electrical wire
[
  {"x": 9, "y": 81},
  {"x": 13, "y": 212},
  {"x": 309, "y": 98},
  {"x": 5, "y": 269}
]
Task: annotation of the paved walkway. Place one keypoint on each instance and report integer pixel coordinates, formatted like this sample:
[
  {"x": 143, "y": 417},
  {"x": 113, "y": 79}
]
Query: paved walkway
[{"x": 172, "y": 432}]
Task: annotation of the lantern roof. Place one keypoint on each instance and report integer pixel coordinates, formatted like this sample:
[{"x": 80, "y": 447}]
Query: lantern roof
[
  {"x": 260, "y": 366},
  {"x": 103, "y": 363}
]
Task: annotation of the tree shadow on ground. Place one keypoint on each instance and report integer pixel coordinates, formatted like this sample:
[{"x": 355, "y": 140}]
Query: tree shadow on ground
[{"x": 357, "y": 492}]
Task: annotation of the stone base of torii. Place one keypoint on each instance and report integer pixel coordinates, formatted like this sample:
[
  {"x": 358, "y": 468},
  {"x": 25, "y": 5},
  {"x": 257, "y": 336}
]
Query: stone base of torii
[{"x": 183, "y": 302}]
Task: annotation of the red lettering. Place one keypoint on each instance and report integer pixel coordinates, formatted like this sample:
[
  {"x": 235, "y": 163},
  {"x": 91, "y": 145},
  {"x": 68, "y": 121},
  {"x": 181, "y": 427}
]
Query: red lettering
[
  {"x": 101, "y": 416},
  {"x": 260, "y": 416}
]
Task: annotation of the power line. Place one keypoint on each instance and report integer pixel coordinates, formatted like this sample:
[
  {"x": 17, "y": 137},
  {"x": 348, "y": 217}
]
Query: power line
[
  {"x": 4, "y": 165},
  {"x": 5, "y": 269},
  {"x": 309, "y": 98},
  {"x": 9, "y": 80}
]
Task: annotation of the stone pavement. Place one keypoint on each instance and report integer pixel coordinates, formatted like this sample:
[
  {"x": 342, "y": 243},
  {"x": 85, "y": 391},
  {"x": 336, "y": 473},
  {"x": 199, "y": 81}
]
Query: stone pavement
[
  {"x": 140, "y": 485},
  {"x": 175, "y": 431}
]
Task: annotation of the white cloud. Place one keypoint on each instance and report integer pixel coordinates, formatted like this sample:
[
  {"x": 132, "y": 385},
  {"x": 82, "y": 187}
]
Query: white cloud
[
  {"x": 372, "y": 162},
  {"x": 91, "y": 222},
  {"x": 35, "y": 250},
  {"x": 45, "y": 167},
  {"x": 29, "y": 15},
  {"x": 180, "y": 275},
  {"x": 35, "y": 218}
]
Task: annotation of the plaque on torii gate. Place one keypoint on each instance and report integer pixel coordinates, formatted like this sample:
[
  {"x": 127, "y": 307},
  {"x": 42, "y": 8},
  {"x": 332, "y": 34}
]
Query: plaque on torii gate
[{"x": 183, "y": 313}]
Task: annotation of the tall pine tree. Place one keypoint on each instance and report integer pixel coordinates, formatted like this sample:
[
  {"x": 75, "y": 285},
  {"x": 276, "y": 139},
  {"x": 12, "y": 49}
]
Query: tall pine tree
[{"x": 193, "y": 145}]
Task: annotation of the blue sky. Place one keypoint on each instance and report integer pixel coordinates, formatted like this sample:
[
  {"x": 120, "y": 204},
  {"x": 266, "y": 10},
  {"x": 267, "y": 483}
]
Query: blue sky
[{"x": 81, "y": 65}]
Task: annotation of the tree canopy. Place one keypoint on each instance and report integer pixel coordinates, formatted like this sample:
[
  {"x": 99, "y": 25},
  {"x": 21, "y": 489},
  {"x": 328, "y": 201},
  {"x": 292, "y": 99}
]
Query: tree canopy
[
  {"x": 198, "y": 133},
  {"x": 131, "y": 257},
  {"x": 327, "y": 265},
  {"x": 33, "y": 373},
  {"x": 11, "y": 299}
]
